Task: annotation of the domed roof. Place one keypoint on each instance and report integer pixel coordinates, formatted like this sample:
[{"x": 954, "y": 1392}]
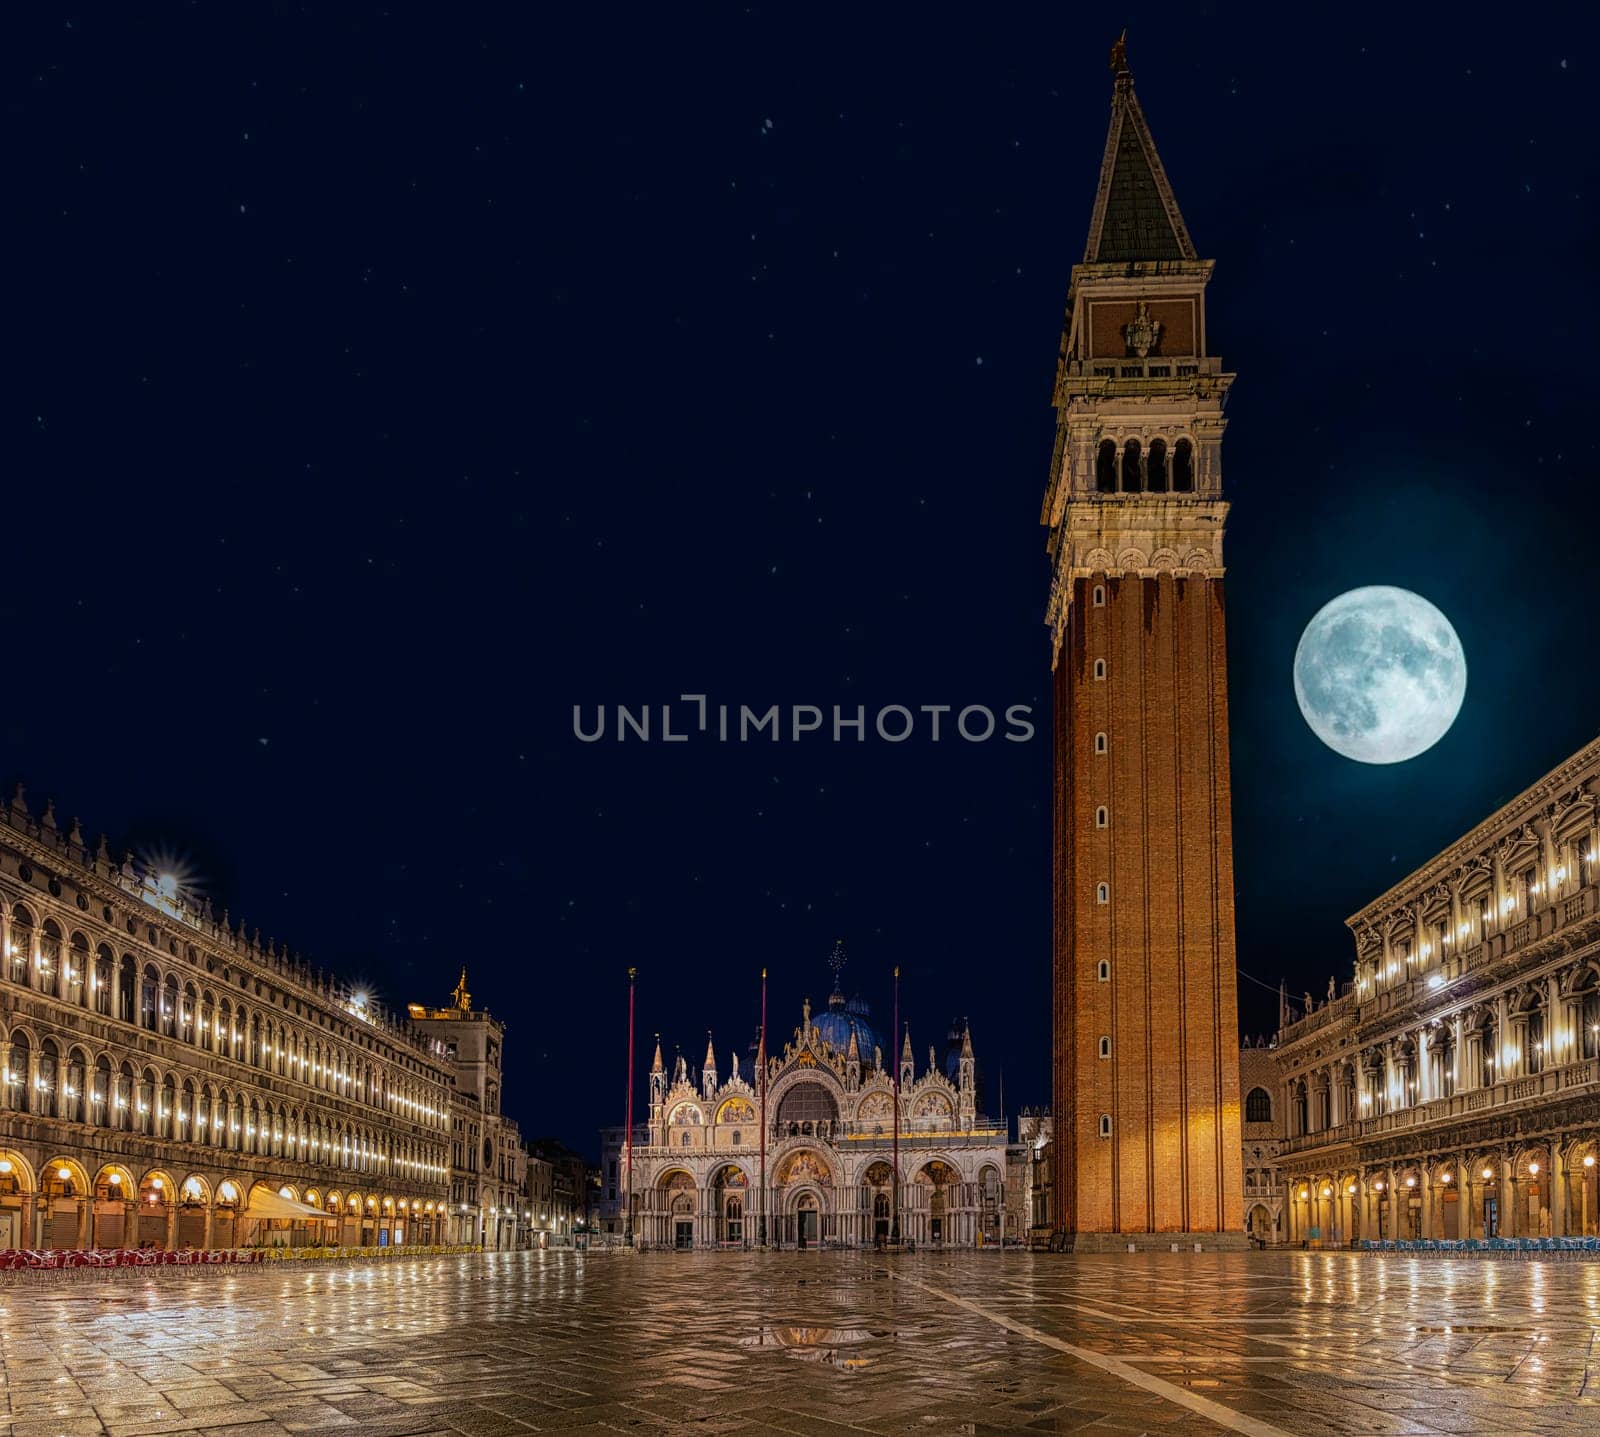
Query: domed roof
[{"x": 841, "y": 1016}]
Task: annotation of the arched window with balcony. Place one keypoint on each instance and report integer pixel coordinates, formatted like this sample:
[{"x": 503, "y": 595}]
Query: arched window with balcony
[
  {"x": 102, "y": 1094},
  {"x": 76, "y": 978},
  {"x": 128, "y": 988},
  {"x": 167, "y": 1111},
  {"x": 105, "y": 968},
  {"x": 1155, "y": 470},
  {"x": 1183, "y": 467},
  {"x": 74, "y": 1087},
  {"x": 47, "y": 1081},
  {"x": 149, "y": 998},
  {"x": 1488, "y": 1044},
  {"x": 1534, "y": 1059},
  {"x": 49, "y": 964},
  {"x": 1132, "y": 467},
  {"x": 1589, "y": 1018},
  {"x": 19, "y": 953},
  {"x": 17, "y": 1075},
  {"x": 145, "y": 1109},
  {"x": 124, "y": 1099},
  {"x": 169, "y": 1006},
  {"x": 1105, "y": 467}
]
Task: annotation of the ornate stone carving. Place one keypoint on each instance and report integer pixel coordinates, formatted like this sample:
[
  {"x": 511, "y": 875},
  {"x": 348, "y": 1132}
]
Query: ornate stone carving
[{"x": 1142, "y": 332}]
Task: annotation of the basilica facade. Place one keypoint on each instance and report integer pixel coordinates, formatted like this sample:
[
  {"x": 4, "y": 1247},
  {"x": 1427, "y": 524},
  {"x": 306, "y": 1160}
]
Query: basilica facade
[{"x": 799, "y": 1148}]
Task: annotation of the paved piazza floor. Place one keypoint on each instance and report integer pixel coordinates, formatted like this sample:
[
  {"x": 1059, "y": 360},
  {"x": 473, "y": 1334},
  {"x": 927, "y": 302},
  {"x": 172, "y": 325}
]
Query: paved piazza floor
[{"x": 822, "y": 1344}]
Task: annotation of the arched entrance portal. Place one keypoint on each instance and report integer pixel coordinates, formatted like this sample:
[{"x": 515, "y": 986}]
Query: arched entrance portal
[
  {"x": 807, "y": 1219},
  {"x": 877, "y": 1180},
  {"x": 730, "y": 1189},
  {"x": 937, "y": 1198},
  {"x": 806, "y": 1181}
]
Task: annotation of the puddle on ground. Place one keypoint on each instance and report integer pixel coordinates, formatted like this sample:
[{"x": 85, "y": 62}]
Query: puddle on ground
[
  {"x": 818, "y": 1344},
  {"x": 1456, "y": 1329},
  {"x": 795, "y": 1335}
]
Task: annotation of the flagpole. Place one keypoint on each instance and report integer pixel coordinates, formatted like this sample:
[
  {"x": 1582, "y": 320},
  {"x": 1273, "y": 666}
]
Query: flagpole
[
  {"x": 894, "y": 1187},
  {"x": 628, "y": 1227},
  {"x": 761, "y": 1058}
]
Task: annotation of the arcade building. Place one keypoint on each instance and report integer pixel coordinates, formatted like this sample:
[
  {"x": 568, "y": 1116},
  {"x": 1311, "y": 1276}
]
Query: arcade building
[
  {"x": 169, "y": 1080},
  {"x": 1451, "y": 1088}
]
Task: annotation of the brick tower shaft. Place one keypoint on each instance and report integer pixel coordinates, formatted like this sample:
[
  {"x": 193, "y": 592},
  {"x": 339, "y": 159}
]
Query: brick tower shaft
[{"x": 1146, "y": 1130}]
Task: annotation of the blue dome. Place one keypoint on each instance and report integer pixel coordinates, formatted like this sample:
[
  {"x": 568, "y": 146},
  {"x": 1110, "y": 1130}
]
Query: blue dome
[{"x": 841, "y": 1016}]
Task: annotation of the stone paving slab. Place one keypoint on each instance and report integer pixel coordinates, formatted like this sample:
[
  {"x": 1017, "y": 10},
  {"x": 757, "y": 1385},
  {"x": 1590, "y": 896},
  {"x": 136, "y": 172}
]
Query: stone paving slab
[{"x": 821, "y": 1344}]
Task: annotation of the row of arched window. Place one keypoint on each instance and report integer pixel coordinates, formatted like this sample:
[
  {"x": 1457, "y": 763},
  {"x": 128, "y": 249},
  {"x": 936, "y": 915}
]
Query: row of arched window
[
  {"x": 1136, "y": 469},
  {"x": 39, "y": 1078},
  {"x": 62, "y": 967}
]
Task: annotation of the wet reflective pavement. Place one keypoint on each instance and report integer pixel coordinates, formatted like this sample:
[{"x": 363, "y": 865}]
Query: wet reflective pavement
[{"x": 814, "y": 1343}]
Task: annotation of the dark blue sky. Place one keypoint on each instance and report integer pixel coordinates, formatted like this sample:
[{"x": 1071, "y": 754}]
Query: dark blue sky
[{"x": 386, "y": 382}]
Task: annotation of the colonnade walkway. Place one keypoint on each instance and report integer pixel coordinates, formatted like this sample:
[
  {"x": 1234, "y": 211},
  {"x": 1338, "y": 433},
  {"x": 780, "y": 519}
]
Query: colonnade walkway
[{"x": 816, "y": 1342}]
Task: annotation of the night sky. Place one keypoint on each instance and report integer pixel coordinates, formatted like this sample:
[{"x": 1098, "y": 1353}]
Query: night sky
[{"x": 386, "y": 382}]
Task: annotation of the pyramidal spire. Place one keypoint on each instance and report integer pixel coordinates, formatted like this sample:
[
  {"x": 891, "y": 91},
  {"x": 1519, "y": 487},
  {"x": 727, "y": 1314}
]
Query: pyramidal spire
[
  {"x": 905, "y": 1047},
  {"x": 966, "y": 1039},
  {"x": 658, "y": 1066},
  {"x": 711, "y": 1053},
  {"x": 1135, "y": 215}
]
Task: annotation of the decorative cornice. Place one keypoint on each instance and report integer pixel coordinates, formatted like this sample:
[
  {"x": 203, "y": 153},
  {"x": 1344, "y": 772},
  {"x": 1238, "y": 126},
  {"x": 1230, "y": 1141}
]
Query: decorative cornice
[{"x": 1508, "y": 821}]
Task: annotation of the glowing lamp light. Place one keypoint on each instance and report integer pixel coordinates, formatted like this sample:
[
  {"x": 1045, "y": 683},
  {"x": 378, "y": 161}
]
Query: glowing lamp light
[
  {"x": 157, "y": 1184},
  {"x": 5, "y": 1165},
  {"x": 1488, "y": 1173},
  {"x": 1411, "y": 1182},
  {"x": 1588, "y": 1162},
  {"x": 65, "y": 1174},
  {"x": 1436, "y": 981},
  {"x": 1444, "y": 1177},
  {"x": 1326, "y": 1192},
  {"x": 1379, "y": 1185},
  {"x": 1534, "y": 1169},
  {"x": 1351, "y": 1190},
  {"x": 114, "y": 1179}
]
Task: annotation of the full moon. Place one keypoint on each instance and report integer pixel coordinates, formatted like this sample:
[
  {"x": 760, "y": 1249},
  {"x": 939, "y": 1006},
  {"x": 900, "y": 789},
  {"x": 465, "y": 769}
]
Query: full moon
[{"x": 1380, "y": 674}]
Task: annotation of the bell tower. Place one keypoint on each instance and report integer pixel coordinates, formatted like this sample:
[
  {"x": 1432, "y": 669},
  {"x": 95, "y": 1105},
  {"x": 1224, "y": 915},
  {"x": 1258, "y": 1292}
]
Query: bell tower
[{"x": 1146, "y": 1142}]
